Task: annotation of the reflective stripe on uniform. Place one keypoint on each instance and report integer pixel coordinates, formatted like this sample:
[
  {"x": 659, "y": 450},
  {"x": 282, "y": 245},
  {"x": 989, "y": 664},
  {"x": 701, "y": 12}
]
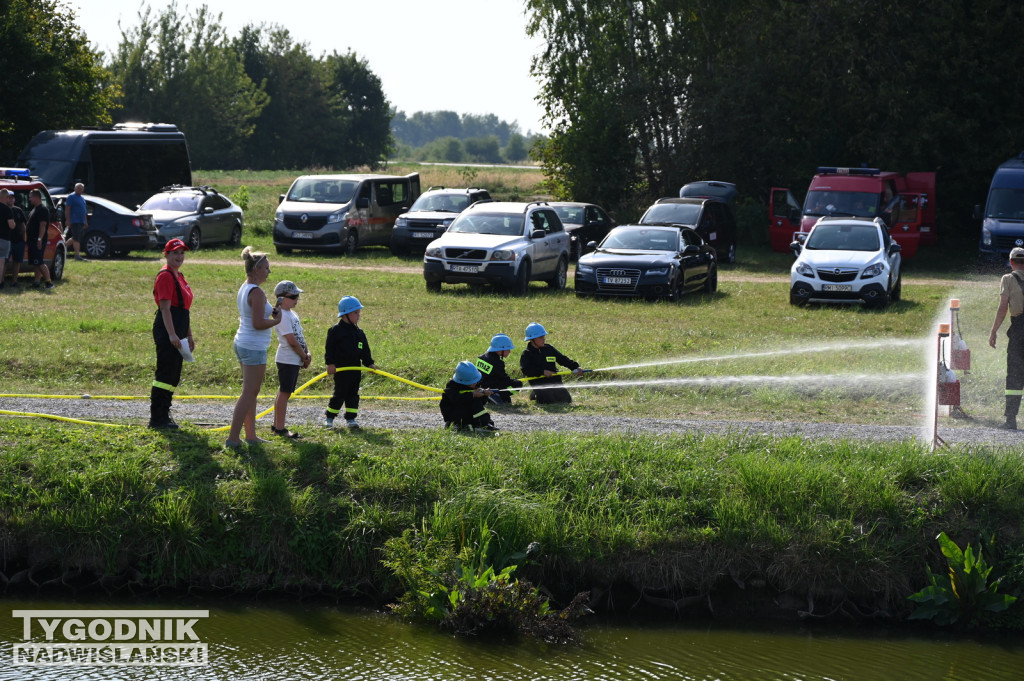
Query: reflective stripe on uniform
[
  {"x": 333, "y": 411},
  {"x": 480, "y": 413},
  {"x": 350, "y": 410},
  {"x": 550, "y": 359},
  {"x": 164, "y": 386},
  {"x": 1015, "y": 392}
]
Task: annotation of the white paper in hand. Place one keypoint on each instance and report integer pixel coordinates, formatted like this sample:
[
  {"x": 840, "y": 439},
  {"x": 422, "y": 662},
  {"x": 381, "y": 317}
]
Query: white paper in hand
[{"x": 186, "y": 353}]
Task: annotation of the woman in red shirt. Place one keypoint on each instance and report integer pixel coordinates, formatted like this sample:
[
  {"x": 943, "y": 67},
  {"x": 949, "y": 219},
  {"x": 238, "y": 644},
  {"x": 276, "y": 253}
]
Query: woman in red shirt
[{"x": 172, "y": 333}]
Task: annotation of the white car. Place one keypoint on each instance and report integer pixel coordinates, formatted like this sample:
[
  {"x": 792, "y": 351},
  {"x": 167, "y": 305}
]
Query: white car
[
  {"x": 846, "y": 260},
  {"x": 507, "y": 245}
]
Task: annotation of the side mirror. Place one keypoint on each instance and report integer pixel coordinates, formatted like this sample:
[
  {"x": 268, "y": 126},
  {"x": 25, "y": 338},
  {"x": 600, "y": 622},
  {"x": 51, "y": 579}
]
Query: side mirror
[
  {"x": 207, "y": 209},
  {"x": 591, "y": 245},
  {"x": 976, "y": 213},
  {"x": 691, "y": 250},
  {"x": 362, "y": 202},
  {"x": 895, "y": 248},
  {"x": 280, "y": 198},
  {"x": 538, "y": 234},
  {"x": 796, "y": 247}
]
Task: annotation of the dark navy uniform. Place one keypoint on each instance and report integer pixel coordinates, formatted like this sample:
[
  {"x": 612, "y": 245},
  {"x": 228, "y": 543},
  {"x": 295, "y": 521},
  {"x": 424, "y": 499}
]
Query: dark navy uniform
[
  {"x": 534, "y": 361},
  {"x": 495, "y": 377},
  {"x": 461, "y": 410},
  {"x": 346, "y": 347}
]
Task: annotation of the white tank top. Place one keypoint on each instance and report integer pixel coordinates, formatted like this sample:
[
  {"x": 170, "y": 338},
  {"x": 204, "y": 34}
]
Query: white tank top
[{"x": 247, "y": 336}]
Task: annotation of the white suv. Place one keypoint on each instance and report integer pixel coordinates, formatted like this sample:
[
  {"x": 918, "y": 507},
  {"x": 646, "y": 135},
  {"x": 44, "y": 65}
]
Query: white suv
[
  {"x": 502, "y": 244},
  {"x": 846, "y": 259}
]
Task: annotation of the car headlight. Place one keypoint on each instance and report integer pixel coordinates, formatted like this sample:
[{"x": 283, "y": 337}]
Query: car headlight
[
  {"x": 433, "y": 251},
  {"x": 873, "y": 270},
  {"x": 336, "y": 216},
  {"x": 401, "y": 222},
  {"x": 805, "y": 270},
  {"x": 986, "y": 236},
  {"x": 584, "y": 269},
  {"x": 503, "y": 255},
  {"x": 657, "y": 271},
  {"x": 279, "y": 217}
]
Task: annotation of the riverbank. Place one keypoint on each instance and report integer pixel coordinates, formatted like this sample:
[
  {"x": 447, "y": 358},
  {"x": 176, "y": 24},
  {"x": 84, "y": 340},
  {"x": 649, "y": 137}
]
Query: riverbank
[{"x": 735, "y": 525}]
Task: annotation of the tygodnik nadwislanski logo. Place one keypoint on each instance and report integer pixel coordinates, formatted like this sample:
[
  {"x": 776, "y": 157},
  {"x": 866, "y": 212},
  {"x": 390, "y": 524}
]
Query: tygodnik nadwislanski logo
[{"x": 137, "y": 638}]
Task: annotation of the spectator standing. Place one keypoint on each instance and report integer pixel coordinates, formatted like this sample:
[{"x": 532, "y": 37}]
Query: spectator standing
[
  {"x": 1011, "y": 300},
  {"x": 38, "y": 229},
  {"x": 18, "y": 239},
  {"x": 7, "y": 229},
  {"x": 76, "y": 216},
  {"x": 171, "y": 328},
  {"x": 256, "y": 318},
  {"x": 292, "y": 354}
]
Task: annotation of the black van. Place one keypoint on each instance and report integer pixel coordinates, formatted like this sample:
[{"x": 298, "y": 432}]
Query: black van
[{"x": 126, "y": 163}]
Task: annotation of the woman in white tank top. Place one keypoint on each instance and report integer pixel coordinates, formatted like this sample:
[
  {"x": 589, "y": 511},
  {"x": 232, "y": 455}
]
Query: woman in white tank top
[{"x": 256, "y": 319}]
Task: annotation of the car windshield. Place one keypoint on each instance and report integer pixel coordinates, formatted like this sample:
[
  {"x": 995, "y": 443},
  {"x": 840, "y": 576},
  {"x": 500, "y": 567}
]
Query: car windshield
[
  {"x": 852, "y": 204},
  {"x": 489, "y": 223},
  {"x": 571, "y": 214},
  {"x": 1006, "y": 203},
  {"x": 673, "y": 213},
  {"x": 184, "y": 203},
  {"x": 642, "y": 239},
  {"x": 319, "y": 190},
  {"x": 843, "y": 238},
  {"x": 445, "y": 203}
]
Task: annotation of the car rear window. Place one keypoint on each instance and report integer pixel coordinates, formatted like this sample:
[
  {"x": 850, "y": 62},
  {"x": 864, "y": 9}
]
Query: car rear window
[{"x": 673, "y": 213}]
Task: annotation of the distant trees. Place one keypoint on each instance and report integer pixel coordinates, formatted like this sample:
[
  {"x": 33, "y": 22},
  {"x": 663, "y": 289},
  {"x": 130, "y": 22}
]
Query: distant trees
[
  {"x": 642, "y": 97},
  {"x": 51, "y": 77},
  {"x": 445, "y": 135}
]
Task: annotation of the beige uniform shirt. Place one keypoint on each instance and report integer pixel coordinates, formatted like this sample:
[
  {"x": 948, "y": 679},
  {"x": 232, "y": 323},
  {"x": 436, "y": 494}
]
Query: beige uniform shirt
[{"x": 1008, "y": 286}]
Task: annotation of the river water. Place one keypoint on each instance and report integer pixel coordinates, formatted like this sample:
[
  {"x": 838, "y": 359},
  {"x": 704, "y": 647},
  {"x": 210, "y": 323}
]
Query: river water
[{"x": 258, "y": 642}]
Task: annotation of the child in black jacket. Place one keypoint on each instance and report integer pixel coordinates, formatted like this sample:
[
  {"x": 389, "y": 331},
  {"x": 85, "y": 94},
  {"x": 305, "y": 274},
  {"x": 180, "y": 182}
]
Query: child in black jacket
[
  {"x": 346, "y": 347},
  {"x": 539, "y": 361},
  {"x": 492, "y": 365},
  {"x": 463, "y": 400}
]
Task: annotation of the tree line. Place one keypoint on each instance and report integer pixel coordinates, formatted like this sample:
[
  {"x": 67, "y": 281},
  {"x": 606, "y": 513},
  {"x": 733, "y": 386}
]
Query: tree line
[
  {"x": 256, "y": 100},
  {"x": 642, "y": 96}
]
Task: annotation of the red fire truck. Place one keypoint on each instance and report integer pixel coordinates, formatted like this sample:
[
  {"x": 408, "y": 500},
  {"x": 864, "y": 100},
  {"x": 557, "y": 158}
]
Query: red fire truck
[{"x": 905, "y": 201}]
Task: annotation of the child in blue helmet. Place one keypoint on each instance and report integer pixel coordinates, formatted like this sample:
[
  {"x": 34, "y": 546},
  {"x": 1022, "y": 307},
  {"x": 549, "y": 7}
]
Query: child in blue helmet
[
  {"x": 346, "y": 347},
  {"x": 492, "y": 365},
  {"x": 463, "y": 401},
  {"x": 539, "y": 361}
]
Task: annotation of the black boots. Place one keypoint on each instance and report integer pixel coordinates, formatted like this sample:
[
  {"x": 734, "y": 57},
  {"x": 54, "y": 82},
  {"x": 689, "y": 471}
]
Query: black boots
[{"x": 160, "y": 409}]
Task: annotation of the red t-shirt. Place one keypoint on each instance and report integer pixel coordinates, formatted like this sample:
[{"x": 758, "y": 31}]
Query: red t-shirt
[{"x": 164, "y": 289}]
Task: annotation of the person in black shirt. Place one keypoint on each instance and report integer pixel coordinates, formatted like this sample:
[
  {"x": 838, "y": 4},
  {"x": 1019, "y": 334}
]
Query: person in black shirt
[
  {"x": 463, "y": 400},
  {"x": 38, "y": 229},
  {"x": 7, "y": 229},
  {"x": 17, "y": 240},
  {"x": 538, "y": 362},
  {"x": 346, "y": 347},
  {"x": 492, "y": 366}
]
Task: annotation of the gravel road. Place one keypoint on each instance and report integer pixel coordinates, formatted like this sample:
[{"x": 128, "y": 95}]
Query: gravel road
[{"x": 306, "y": 414}]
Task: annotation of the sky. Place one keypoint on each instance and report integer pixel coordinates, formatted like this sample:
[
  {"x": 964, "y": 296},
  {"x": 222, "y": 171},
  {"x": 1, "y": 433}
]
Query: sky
[{"x": 467, "y": 56}]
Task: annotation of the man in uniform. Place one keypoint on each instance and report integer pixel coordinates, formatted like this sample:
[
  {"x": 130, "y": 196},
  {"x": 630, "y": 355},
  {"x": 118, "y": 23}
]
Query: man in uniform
[
  {"x": 38, "y": 231},
  {"x": 1011, "y": 299}
]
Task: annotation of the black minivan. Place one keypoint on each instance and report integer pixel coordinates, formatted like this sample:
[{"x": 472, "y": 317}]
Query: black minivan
[{"x": 126, "y": 163}]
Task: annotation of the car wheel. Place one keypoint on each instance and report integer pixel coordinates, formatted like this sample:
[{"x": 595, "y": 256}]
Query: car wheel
[
  {"x": 351, "y": 243},
  {"x": 434, "y": 286},
  {"x": 897, "y": 290},
  {"x": 97, "y": 245},
  {"x": 711, "y": 283},
  {"x": 194, "y": 240},
  {"x": 557, "y": 282},
  {"x": 675, "y": 293},
  {"x": 799, "y": 294},
  {"x": 281, "y": 250},
  {"x": 60, "y": 258},
  {"x": 236, "y": 235},
  {"x": 522, "y": 282}
]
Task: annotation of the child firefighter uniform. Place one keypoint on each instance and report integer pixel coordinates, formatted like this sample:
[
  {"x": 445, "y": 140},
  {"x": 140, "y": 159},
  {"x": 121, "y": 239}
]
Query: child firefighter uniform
[{"x": 346, "y": 347}]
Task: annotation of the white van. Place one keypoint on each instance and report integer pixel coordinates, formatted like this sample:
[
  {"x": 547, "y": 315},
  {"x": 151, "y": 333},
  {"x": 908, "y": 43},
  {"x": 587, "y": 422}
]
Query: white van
[{"x": 339, "y": 213}]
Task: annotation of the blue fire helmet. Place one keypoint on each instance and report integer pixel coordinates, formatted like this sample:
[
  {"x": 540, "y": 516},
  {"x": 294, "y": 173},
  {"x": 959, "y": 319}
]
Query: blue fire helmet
[
  {"x": 501, "y": 342},
  {"x": 534, "y": 330},
  {"x": 466, "y": 374},
  {"x": 348, "y": 304}
]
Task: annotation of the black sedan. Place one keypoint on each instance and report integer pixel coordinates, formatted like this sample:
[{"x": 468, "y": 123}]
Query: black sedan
[
  {"x": 648, "y": 261},
  {"x": 112, "y": 229},
  {"x": 585, "y": 222}
]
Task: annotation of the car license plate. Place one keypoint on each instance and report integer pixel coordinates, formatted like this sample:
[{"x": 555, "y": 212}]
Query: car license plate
[
  {"x": 618, "y": 280},
  {"x": 422, "y": 235},
  {"x": 467, "y": 269},
  {"x": 302, "y": 235},
  {"x": 836, "y": 287}
]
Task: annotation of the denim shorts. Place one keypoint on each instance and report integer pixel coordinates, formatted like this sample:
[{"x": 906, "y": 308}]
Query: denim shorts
[
  {"x": 5, "y": 249},
  {"x": 249, "y": 356}
]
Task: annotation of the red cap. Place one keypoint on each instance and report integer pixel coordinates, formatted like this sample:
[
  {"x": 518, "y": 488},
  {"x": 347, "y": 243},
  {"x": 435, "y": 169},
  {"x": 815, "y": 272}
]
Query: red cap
[{"x": 175, "y": 245}]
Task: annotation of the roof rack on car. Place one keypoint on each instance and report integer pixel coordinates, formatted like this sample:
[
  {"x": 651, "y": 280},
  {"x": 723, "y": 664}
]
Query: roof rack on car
[{"x": 535, "y": 203}]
